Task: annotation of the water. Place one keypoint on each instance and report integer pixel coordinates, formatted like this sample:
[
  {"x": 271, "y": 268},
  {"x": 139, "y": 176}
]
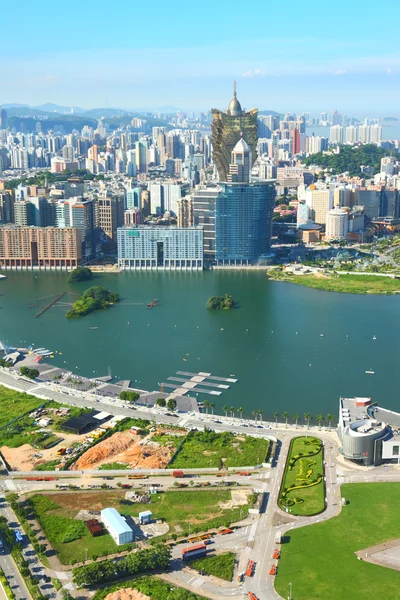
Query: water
[{"x": 272, "y": 342}]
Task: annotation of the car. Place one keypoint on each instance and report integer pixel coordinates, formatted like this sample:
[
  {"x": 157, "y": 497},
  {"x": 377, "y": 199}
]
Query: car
[{"x": 272, "y": 570}]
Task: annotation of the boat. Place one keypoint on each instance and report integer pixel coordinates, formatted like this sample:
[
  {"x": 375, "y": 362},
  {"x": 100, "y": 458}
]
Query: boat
[
  {"x": 39, "y": 349},
  {"x": 45, "y": 352},
  {"x": 374, "y": 338},
  {"x": 370, "y": 372},
  {"x": 321, "y": 335},
  {"x": 93, "y": 327}
]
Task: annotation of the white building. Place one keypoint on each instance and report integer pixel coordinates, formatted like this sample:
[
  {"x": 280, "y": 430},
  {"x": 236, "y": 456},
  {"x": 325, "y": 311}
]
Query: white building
[
  {"x": 351, "y": 134},
  {"x": 146, "y": 247},
  {"x": 337, "y": 224},
  {"x": 336, "y": 134},
  {"x": 319, "y": 203},
  {"x": 116, "y": 525}
]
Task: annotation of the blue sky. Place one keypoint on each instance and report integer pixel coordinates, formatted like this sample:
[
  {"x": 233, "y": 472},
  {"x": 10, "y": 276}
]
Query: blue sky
[{"x": 308, "y": 56}]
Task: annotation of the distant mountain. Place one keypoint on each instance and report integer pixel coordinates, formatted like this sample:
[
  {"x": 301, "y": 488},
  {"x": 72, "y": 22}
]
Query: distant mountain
[
  {"x": 270, "y": 112},
  {"x": 14, "y": 105},
  {"x": 97, "y": 113},
  {"x": 50, "y": 107}
]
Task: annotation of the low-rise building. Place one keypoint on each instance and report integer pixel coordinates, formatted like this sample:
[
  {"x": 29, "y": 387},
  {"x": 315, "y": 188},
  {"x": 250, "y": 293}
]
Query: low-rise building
[{"x": 116, "y": 525}]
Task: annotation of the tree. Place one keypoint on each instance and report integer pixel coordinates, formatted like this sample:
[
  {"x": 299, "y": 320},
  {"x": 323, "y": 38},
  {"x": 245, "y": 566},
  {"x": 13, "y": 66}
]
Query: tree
[
  {"x": 276, "y": 415},
  {"x": 285, "y": 415},
  {"x": 319, "y": 418},
  {"x": 206, "y": 404},
  {"x": 30, "y": 373},
  {"x": 129, "y": 396},
  {"x": 171, "y": 404},
  {"x": 161, "y": 402},
  {"x": 308, "y": 418},
  {"x": 329, "y": 418},
  {"x": 80, "y": 274},
  {"x": 296, "y": 417},
  {"x": 212, "y": 406},
  {"x": 260, "y": 412},
  {"x": 232, "y": 411},
  {"x": 225, "y": 409},
  {"x": 241, "y": 411}
]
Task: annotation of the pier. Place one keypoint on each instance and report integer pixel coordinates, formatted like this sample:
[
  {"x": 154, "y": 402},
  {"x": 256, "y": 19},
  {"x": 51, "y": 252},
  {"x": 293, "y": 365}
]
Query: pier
[
  {"x": 207, "y": 376},
  {"x": 50, "y": 304}
]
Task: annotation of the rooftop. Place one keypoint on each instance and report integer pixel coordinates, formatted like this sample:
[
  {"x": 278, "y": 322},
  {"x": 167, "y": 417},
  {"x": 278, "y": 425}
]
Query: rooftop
[{"x": 111, "y": 517}]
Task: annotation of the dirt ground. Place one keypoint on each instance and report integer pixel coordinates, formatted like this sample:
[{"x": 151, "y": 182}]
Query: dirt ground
[
  {"x": 128, "y": 448},
  {"x": 128, "y": 594},
  {"x": 239, "y": 498},
  {"x": 23, "y": 459}
]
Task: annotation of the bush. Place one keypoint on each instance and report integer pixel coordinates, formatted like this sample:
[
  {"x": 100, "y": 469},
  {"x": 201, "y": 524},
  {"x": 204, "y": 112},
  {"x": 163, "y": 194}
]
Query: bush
[{"x": 80, "y": 274}]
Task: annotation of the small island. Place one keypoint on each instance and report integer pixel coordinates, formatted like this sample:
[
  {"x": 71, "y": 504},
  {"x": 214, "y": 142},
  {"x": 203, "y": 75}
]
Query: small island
[
  {"x": 80, "y": 274},
  {"x": 220, "y": 302},
  {"x": 95, "y": 298}
]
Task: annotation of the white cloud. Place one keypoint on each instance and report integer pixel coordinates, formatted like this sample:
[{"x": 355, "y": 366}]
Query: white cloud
[
  {"x": 340, "y": 72},
  {"x": 253, "y": 73},
  {"x": 389, "y": 71}
]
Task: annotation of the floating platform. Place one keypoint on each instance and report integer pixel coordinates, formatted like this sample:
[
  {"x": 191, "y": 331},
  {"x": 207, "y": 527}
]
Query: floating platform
[
  {"x": 213, "y": 385},
  {"x": 194, "y": 388},
  {"x": 208, "y": 376}
]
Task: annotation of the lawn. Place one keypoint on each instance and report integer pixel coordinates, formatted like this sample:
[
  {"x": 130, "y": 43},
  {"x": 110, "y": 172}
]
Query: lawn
[
  {"x": 13, "y": 404},
  {"x": 220, "y": 565},
  {"x": 184, "y": 511},
  {"x": 350, "y": 284},
  {"x": 319, "y": 559},
  {"x": 204, "y": 449},
  {"x": 113, "y": 466},
  {"x": 302, "y": 492},
  {"x": 156, "y": 589}
]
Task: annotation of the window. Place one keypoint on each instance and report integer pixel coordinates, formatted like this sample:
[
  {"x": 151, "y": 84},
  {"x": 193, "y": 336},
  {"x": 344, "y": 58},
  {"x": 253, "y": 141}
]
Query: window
[{"x": 395, "y": 451}]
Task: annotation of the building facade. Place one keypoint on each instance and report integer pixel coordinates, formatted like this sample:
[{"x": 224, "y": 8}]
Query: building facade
[
  {"x": 147, "y": 247},
  {"x": 39, "y": 247}
]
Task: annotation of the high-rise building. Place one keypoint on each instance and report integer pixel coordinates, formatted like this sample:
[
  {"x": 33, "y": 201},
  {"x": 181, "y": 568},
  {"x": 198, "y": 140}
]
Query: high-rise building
[
  {"x": 39, "y": 247},
  {"x": 337, "y": 224},
  {"x": 24, "y": 213},
  {"x": 204, "y": 199},
  {"x": 147, "y": 247},
  {"x": 3, "y": 118},
  {"x": 6, "y": 207},
  {"x": 80, "y": 214},
  {"x": 227, "y": 128},
  {"x": 351, "y": 134},
  {"x": 109, "y": 216},
  {"x": 336, "y": 134},
  {"x": 240, "y": 167},
  {"x": 185, "y": 212},
  {"x": 319, "y": 203},
  {"x": 376, "y": 133},
  {"x": 295, "y": 137}
]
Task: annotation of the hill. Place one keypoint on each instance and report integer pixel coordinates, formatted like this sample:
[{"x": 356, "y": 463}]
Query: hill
[{"x": 351, "y": 159}]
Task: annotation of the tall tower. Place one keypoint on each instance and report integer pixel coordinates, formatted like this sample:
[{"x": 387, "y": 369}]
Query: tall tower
[{"x": 227, "y": 129}]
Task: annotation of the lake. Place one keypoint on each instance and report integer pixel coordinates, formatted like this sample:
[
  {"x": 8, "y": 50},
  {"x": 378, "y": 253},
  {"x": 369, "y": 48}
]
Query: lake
[{"x": 291, "y": 348}]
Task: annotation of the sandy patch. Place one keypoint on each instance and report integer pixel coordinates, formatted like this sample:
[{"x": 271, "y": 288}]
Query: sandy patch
[
  {"x": 127, "y": 594},
  {"x": 126, "y": 447},
  {"x": 26, "y": 458},
  {"x": 239, "y": 498}
]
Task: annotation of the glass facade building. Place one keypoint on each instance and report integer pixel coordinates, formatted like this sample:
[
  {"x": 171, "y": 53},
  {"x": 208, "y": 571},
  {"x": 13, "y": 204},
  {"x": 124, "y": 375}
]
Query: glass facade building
[
  {"x": 147, "y": 247},
  {"x": 243, "y": 222}
]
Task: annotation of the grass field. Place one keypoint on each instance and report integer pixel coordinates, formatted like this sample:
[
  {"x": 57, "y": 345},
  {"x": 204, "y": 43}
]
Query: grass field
[
  {"x": 220, "y": 565},
  {"x": 350, "y": 284},
  {"x": 184, "y": 511},
  {"x": 113, "y": 466},
  {"x": 204, "y": 449},
  {"x": 156, "y": 589},
  {"x": 319, "y": 559},
  {"x": 13, "y": 404},
  {"x": 303, "y": 469}
]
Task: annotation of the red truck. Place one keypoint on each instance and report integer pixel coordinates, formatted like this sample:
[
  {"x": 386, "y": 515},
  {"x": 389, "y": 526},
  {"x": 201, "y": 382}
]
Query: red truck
[{"x": 178, "y": 474}]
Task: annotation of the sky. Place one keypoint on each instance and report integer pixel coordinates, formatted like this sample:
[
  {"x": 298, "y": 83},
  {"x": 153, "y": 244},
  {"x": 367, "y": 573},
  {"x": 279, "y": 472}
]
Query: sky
[{"x": 285, "y": 56}]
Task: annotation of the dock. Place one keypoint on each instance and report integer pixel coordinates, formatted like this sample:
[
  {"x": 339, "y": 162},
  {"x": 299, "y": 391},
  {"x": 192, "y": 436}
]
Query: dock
[
  {"x": 213, "y": 385},
  {"x": 207, "y": 376},
  {"x": 50, "y": 304},
  {"x": 186, "y": 387}
]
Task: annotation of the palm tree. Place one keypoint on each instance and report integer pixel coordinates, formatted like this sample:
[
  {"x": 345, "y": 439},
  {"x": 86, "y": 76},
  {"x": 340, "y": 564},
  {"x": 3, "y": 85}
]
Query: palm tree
[
  {"x": 206, "y": 404},
  {"x": 225, "y": 409},
  {"x": 308, "y": 418},
  {"x": 329, "y": 418},
  {"x": 232, "y": 411},
  {"x": 212, "y": 406},
  {"x": 254, "y": 413},
  {"x": 241, "y": 411},
  {"x": 285, "y": 415},
  {"x": 319, "y": 418},
  {"x": 296, "y": 417},
  {"x": 276, "y": 415},
  {"x": 260, "y": 412}
]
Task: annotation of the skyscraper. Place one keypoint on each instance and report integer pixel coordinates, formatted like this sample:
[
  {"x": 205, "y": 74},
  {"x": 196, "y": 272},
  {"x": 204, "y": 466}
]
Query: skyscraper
[
  {"x": 227, "y": 128},
  {"x": 3, "y": 118}
]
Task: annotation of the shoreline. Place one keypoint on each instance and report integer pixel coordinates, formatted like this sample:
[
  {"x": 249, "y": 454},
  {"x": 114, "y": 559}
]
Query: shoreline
[{"x": 343, "y": 283}]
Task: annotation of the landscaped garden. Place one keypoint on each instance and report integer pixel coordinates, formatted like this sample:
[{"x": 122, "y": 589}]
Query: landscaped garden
[
  {"x": 350, "y": 284},
  {"x": 302, "y": 492},
  {"x": 186, "y": 512},
  {"x": 220, "y": 565},
  {"x": 319, "y": 560},
  {"x": 203, "y": 449}
]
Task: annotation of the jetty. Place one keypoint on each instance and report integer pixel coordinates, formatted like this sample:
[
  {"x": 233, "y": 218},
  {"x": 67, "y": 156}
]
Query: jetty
[{"x": 50, "y": 304}]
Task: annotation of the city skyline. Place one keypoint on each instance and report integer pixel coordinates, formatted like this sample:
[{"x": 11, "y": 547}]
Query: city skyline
[{"x": 308, "y": 63}]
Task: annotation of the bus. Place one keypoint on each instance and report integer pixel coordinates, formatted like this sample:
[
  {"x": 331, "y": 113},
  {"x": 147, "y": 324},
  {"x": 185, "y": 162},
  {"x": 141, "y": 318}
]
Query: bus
[{"x": 196, "y": 551}]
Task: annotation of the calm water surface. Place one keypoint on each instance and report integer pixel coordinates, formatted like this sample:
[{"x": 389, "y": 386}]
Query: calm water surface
[{"x": 272, "y": 342}]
